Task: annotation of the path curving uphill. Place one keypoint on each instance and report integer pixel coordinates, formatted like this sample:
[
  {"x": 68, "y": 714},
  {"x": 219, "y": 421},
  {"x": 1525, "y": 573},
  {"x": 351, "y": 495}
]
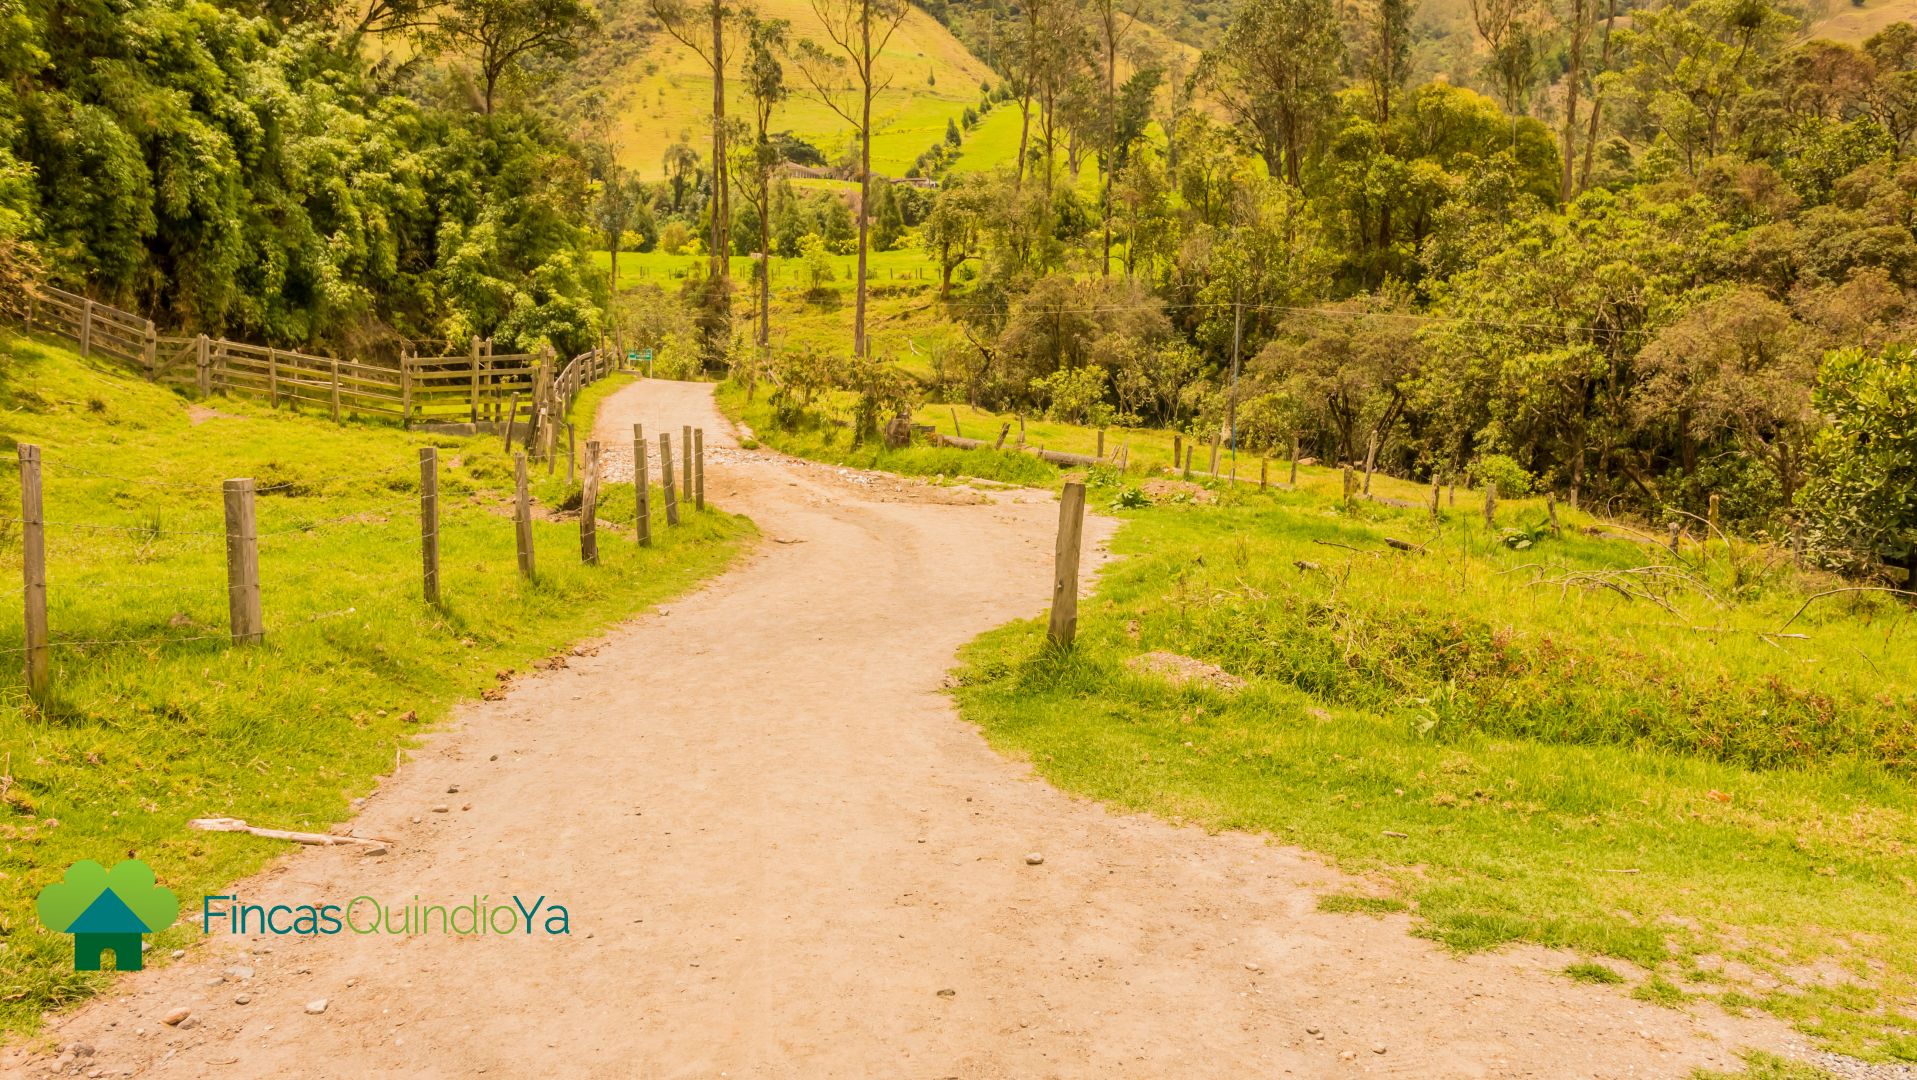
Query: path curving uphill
[{"x": 783, "y": 854}]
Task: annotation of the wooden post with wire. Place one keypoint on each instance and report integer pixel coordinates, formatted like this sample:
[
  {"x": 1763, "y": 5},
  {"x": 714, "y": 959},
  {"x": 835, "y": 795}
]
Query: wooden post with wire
[
  {"x": 699, "y": 468},
  {"x": 1294, "y": 461},
  {"x": 589, "y": 507},
  {"x": 522, "y": 515},
  {"x": 242, "y": 563},
  {"x": 429, "y": 522},
  {"x": 1490, "y": 504},
  {"x": 642, "y": 487},
  {"x": 1436, "y": 493},
  {"x": 1071, "y": 529},
  {"x": 665, "y": 477},
  {"x": 685, "y": 454},
  {"x": 33, "y": 547},
  {"x": 572, "y": 454}
]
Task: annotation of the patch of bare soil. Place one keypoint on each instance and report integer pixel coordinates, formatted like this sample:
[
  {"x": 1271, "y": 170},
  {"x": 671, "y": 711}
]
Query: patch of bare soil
[{"x": 1180, "y": 670}]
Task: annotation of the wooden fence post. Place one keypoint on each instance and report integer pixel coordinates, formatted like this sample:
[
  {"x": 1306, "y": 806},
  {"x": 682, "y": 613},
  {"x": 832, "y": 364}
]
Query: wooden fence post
[
  {"x": 1214, "y": 456},
  {"x": 202, "y": 366},
  {"x": 665, "y": 477},
  {"x": 1294, "y": 461},
  {"x": 1178, "y": 451},
  {"x": 956, "y": 430},
  {"x": 1264, "y": 467},
  {"x": 699, "y": 468},
  {"x": 1676, "y": 531},
  {"x": 429, "y": 521},
  {"x": 1490, "y": 504},
  {"x": 336, "y": 418},
  {"x": 589, "y": 507},
  {"x": 1716, "y": 525},
  {"x": 1101, "y": 438},
  {"x": 86, "y": 329},
  {"x": 1435, "y": 493},
  {"x": 33, "y": 548},
  {"x": 150, "y": 352},
  {"x": 1003, "y": 431},
  {"x": 406, "y": 388},
  {"x": 522, "y": 515},
  {"x": 1071, "y": 528},
  {"x": 512, "y": 418},
  {"x": 1347, "y": 485},
  {"x": 1189, "y": 451},
  {"x": 642, "y": 487},
  {"x": 242, "y": 563},
  {"x": 473, "y": 356},
  {"x": 572, "y": 454},
  {"x": 1551, "y": 508},
  {"x": 273, "y": 377},
  {"x": 685, "y": 463}
]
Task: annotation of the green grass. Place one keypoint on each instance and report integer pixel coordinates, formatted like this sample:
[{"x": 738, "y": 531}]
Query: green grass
[
  {"x": 1350, "y": 904},
  {"x": 1590, "y": 971},
  {"x": 1762, "y": 1066},
  {"x": 822, "y": 438},
  {"x": 1521, "y": 757},
  {"x": 155, "y": 718}
]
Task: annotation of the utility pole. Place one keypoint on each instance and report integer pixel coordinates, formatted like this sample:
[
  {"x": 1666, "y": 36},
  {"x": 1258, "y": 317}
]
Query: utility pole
[{"x": 1231, "y": 404}]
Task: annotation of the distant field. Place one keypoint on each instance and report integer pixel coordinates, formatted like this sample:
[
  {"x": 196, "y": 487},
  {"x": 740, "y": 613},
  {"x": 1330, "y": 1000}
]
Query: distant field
[
  {"x": 933, "y": 79},
  {"x": 1856, "y": 23}
]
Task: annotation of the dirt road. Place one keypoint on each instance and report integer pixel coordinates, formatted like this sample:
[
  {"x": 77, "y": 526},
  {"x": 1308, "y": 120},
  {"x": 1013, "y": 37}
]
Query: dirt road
[{"x": 784, "y": 855}]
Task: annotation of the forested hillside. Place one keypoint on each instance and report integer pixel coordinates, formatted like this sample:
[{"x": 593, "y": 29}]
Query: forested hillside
[{"x": 299, "y": 174}]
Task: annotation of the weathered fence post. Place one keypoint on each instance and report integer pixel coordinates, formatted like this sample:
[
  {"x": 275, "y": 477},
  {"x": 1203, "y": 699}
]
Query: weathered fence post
[
  {"x": 202, "y": 366},
  {"x": 572, "y": 453},
  {"x": 1348, "y": 484},
  {"x": 242, "y": 563},
  {"x": 1214, "y": 456},
  {"x": 150, "y": 352},
  {"x": 273, "y": 377},
  {"x": 642, "y": 487},
  {"x": 406, "y": 388},
  {"x": 956, "y": 430},
  {"x": 522, "y": 515},
  {"x": 512, "y": 418},
  {"x": 1004, "y": 430},
  {"x": 336, "y": 418},
  {"x": 1435, "y": 493},
  {"x": 665, "y": 478},
  {"x": 86, "y": 329},
  {"x": 1676, "y": 531},
  {"x": 589, "y": 507},
  {"x": 429, "y": 521},
  {"x": 685, "y": 463},
  {"x": 1101, "y": 438},
  {"x": 33, "y": 546},
  {"x": 1716, "y": 525},
  {"x": 1189, "y": 452},
  {"x": 1490, "y": 504},
  {"x": 1071, "y": 527},
  {"x": 699, "y": 468},
  {"x": 1264, "y": 467},
  {"x": 473, "y": 356},
  {"x": 1294, "y": 461},
  {"x": 1178, "y": 452},
  {"x": 1551, "y": 508}
]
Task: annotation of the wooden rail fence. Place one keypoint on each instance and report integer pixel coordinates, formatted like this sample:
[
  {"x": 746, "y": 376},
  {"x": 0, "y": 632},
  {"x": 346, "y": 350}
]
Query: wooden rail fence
[{"x": 477, "y": 386}]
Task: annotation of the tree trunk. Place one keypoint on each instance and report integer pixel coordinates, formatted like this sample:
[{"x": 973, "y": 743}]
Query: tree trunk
[
  {"x": 865, "y": 177},
  {"x": 721, "y": 206}
]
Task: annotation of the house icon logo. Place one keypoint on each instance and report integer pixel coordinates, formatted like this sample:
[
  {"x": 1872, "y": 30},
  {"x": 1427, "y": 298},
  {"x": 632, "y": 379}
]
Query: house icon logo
[{"x": 107, "y": 911}]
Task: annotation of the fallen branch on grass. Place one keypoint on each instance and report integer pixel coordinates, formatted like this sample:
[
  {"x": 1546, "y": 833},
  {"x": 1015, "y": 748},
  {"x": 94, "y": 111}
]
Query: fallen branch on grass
[
  {"x": 1404, "y": 545},
  {"x": 233, "y": 824},
  {"x": 1834, "y": 592}
]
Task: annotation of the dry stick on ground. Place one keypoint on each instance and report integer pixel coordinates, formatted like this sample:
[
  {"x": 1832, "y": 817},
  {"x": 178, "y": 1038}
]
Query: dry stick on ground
[
  {"x": 1834, "y": 592},
  {"x": 230, "y": 824}
]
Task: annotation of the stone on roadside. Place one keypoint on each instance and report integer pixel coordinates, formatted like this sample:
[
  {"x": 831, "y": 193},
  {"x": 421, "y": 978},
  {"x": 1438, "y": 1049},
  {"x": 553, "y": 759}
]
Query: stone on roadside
[
  {"x": 316, "y": 1006},
  {"x": 1034, "y": 859},
  {"x": 172, "y": 1019}
]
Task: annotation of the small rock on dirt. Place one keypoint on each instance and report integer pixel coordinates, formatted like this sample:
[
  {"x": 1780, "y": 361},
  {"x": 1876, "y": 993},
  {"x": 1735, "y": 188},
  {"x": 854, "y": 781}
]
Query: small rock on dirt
[
  {"x": 1377, "y": 1048},
  {"x": 316, "y": 1006},
  {"x": 440, "y": 808},
  {"x": 239, "y": 973},
  {"x": 1034, "y": 859},
  {"x": 242, "y": 999},
  {"x": 172, "y": 1019}
]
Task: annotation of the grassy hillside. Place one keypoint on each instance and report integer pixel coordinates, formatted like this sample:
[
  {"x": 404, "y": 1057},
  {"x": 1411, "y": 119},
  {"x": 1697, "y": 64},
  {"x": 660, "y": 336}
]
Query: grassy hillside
[
  {"x": 155, "y": 718},
  {"x": 667, "y": 92}
]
